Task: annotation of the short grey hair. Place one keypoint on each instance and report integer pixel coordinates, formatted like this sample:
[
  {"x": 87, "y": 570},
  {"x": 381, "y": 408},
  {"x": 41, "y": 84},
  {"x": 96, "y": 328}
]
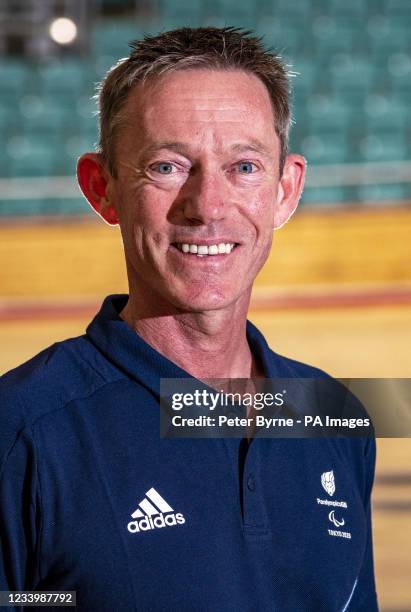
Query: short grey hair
[{"x": 225, "y": 48}]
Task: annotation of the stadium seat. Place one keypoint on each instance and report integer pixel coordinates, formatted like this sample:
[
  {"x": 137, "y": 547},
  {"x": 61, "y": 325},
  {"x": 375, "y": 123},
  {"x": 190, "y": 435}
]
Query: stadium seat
[
  {"x": 328, "y": 113},
  {"x": 242, "y": 14},
  {"x": 107, "y": 40},
  {"x": 355, "y": 9},
  {"x": 398, "y": 8},
  {"x": 15, "y": 77},
  {"x": 22, "y": 208},
  {"x": 30, "y": 157},
  {"x": 391, "y": 34},
  {"x": 184, "y": 12},
  {"x": 387, "y": 112},
  {"x": 348, "y": 73},
  {"x": 42, "y": 153},
  {"x": 285, "y": 9},
  {"x": 326, "y": 195},
  {"x": 284, "y": 35},
  {"x": 9, "y": 110},
  {"x": 75, "y": 144},
  {"x": 63, "y": 77},
  {"x": 48, "y": 112},
  {"x": 389, "y": 192},
  {"x": 331, "y": 147},
  {"x": 113, "y": 38},
  {"x": 44, "y": 207},
  {"x": 383, "y": 146},
  {"x": 399, "y": 70},
  {"x": 332, "y": 35},
  {"x": 307, "y": 74},
  {"x": 5, "y": 170}
]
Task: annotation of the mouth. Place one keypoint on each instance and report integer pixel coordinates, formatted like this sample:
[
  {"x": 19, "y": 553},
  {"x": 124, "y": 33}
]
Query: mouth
[{"x": 205, "y": 250}]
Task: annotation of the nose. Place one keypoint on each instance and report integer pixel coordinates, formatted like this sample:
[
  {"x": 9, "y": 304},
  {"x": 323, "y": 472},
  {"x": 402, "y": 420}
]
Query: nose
[{"x": 204, "y": 197}]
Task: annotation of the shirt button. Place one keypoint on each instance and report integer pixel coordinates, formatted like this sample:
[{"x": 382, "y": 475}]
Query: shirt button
[{"x": 251, "y": 483}]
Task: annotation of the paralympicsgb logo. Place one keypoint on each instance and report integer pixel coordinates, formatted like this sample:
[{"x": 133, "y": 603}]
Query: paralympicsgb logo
[{"x": 328, "y": 482}]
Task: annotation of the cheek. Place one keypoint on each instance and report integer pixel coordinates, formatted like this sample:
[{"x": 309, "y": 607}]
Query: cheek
[
  {"x": 146, "y": 214},
  {"x": 268, "y": 201},
  {"x": 268, "y": 210},
  {"x": 259, "y": 210}
]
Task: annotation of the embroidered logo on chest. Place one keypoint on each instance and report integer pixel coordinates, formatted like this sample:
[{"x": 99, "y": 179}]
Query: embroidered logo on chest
[
  {"x": 335, "y": 516},
  {"x": 154, "y": 512}
]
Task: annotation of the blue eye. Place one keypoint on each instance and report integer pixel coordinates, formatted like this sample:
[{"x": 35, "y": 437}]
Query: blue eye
[
  {"x": 245, "y": 167},
  {"x": 165, "y": 168}
]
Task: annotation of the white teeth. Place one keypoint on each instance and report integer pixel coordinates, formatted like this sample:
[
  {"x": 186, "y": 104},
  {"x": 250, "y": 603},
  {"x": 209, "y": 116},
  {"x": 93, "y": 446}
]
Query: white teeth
[{"x": 201, "y": 249}]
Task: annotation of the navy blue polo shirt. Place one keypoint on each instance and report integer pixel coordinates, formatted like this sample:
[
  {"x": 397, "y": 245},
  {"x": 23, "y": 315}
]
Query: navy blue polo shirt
[{"x": 93, "y": 500}]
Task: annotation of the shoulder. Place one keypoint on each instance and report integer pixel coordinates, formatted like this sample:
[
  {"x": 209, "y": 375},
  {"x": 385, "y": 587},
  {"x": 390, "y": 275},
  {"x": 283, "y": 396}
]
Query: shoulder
[
  {"x": 59, "y": 374},
  {"x": 332, "y": 397}
]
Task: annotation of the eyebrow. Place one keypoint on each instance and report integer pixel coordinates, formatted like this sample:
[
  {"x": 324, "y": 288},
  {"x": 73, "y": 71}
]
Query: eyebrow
[
  {"x": 238, "y": 147},
  {"x": 252, "y": 145}
]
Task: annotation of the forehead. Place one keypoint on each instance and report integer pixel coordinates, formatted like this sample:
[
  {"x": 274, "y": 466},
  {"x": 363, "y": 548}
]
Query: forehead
[{"x": 200, "y": 105}]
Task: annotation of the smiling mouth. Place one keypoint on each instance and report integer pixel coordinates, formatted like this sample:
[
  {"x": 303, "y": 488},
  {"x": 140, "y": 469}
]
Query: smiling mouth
[{"x": 203, "y": 250}]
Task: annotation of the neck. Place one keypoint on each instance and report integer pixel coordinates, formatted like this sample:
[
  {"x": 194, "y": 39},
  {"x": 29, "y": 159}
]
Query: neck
[{"x": 209, "y": 344}]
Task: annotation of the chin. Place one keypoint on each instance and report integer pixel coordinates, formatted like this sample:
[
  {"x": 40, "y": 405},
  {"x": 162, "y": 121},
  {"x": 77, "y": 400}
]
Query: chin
[{"x": 206, "y": 301}]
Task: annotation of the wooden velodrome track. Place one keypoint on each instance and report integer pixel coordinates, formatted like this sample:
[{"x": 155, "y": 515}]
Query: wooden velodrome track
[{"x": 336, "y": 292}]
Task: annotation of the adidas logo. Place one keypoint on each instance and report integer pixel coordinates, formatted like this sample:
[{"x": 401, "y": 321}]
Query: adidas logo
[{"x": 153, "y": 513}]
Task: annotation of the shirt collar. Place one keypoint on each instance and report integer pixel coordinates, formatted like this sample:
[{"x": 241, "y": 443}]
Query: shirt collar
[{"x": 128, "y": 351}]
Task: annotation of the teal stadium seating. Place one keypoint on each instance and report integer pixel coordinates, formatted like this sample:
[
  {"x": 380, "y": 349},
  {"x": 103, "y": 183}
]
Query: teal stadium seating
[
  {"x": 63, "y": 76},
  {"x": 28, "y": 156},
  {"x": 185, "y": 12},
  {"x": 15, "y": 76},
  {"x": 349, "y": 8},
  {"x": 400, "y": 8}
]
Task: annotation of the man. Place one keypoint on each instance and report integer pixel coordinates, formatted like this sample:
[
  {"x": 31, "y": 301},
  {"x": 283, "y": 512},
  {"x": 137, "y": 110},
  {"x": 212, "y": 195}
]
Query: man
[{"x": 193, "y": 166}]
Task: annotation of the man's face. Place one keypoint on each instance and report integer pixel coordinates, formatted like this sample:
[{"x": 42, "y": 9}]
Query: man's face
[{"x": 197, "y": 187}]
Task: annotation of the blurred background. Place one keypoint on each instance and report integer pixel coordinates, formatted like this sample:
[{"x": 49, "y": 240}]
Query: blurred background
[{"x": 336, "y": 291}]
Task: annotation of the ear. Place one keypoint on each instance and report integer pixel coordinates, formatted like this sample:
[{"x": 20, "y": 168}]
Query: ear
[
  {"x": 93, "y": 179},
  {"x": 289, "y": 189}
]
